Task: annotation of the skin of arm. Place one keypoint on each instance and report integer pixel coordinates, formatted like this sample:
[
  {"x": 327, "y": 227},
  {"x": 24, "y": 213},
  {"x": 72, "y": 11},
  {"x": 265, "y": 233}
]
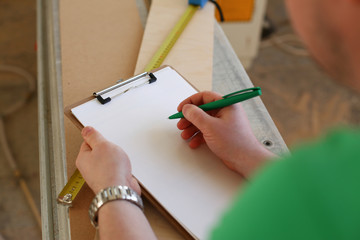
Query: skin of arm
[{"x": 104, "y": 164}]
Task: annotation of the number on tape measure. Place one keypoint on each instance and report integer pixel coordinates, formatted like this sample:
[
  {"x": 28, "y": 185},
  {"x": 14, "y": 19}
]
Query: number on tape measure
[{"x": 71, "y": 189}]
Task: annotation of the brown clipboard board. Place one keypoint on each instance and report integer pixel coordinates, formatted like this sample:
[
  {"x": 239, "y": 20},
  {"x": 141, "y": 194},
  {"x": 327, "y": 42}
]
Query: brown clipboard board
[{"x": 186, "y": 234}]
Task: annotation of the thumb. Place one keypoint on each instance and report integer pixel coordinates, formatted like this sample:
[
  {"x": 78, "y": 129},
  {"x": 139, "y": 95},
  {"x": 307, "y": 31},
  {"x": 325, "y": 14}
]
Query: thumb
[
  {"x": 92, "y": 137},
  {"x": 196, "y": 116}
]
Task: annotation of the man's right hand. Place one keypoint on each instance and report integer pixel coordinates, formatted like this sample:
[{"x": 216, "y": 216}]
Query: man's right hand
[{"x": 226, "y": 131}]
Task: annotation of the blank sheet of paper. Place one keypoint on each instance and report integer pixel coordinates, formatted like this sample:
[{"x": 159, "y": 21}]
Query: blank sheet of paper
[{"x": 194, "y": 186}]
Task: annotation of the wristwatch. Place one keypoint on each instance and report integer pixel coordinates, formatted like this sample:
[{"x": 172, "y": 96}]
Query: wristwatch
[{"x": 111, "y": 194}]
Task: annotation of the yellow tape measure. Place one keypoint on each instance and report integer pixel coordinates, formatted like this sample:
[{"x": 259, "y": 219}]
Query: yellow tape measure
[
  {"x": 71, "y": 189},
  {"x": 171, "y": 39},
  {"x": 75, "y": 183}
]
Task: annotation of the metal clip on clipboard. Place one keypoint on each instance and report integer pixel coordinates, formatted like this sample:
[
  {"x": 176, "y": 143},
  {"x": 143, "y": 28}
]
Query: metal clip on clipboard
[{"x": 134, "y": 79}]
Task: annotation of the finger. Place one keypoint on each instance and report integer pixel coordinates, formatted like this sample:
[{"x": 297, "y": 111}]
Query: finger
[
  {"x": 135, "y": 186},
  {"x": 92, "y": 137},
  {"x": 82, "y": 155},
  {"x": 183, "y": 123},
  {"x": 197, "y": 116},
  {"x": 85, "y": 147},
  {"x": 189, "y": 132},
  {"x": 197, "y": 140},
  {"x": 199, "y": 99}
]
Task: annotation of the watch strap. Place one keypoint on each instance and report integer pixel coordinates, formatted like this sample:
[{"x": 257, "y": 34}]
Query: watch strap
[{"x": 111, "y": 194}]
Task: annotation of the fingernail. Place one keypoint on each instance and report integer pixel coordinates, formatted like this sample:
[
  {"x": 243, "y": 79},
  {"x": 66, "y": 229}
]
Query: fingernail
[
  {"x": 186, "y": 107},
  {"x": 86, "y": 130}
]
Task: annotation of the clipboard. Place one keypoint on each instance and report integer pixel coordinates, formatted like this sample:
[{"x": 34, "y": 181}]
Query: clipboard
[
  {"x": 119, "y": 83},
  {"x": 209, "y": 174}
]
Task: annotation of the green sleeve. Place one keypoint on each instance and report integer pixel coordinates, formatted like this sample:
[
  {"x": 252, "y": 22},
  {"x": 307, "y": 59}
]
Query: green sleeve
[{"x": 312, "y": 194}]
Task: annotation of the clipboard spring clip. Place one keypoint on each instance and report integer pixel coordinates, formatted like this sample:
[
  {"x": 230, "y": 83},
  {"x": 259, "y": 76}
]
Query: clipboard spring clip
[{"x": 134, "y": 79}]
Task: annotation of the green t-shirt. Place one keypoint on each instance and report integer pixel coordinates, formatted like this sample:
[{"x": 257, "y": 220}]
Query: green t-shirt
[{"x": 312, "y": 194}]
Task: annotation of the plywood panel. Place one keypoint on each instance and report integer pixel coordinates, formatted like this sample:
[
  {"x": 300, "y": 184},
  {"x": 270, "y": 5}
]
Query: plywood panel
[
  {"x": 100, "y": 41},
  {"x": 192, "y": 55}
]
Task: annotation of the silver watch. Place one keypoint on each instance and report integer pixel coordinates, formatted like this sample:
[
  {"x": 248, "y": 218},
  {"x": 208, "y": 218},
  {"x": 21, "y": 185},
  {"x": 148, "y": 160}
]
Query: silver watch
[{"x": 110, "y": 194}]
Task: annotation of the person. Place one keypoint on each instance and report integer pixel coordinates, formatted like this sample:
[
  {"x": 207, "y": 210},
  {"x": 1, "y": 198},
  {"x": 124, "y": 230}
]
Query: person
[{"x": 312, "y": 194}]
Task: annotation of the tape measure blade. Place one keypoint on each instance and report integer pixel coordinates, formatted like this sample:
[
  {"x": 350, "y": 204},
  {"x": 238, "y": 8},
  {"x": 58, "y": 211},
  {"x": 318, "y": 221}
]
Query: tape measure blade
[
  {"x": 71, "y": 189},
  {"x": 171, "y": 39}
]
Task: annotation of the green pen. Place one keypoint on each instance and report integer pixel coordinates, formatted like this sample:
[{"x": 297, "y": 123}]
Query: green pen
[{"x": 227, "y": 100}]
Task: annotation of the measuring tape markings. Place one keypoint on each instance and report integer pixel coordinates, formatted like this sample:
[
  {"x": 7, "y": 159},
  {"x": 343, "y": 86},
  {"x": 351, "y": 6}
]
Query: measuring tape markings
[
  {"x": 71, "y": 189},
  {"x": 76, "y": 181},
  {"x": 171, "y": 39}
]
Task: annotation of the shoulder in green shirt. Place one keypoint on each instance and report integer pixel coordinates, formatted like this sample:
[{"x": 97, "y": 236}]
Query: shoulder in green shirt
[{"x": 312, "y": 194}]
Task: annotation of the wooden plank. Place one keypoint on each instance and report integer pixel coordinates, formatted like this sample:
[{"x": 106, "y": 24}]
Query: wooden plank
[
  {"x": 97, "y": 49},
  {"x": 193, "y": 52}
]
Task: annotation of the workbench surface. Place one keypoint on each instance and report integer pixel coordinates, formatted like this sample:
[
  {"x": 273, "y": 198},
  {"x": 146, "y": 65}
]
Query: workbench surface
[{"x": 228, "y": 76}]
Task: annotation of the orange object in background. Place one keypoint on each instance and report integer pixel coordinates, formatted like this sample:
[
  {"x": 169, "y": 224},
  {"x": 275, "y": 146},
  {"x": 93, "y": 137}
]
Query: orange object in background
[{"x": 235, "y": 10}]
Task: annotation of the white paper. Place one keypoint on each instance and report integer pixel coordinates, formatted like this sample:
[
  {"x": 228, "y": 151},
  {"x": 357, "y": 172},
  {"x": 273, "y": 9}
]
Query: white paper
[{"x": 194, "y": 186}]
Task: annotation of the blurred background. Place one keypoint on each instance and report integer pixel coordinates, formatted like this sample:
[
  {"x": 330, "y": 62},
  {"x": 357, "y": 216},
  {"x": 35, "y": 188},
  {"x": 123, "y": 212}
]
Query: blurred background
[{"x": 301, "y": 99}]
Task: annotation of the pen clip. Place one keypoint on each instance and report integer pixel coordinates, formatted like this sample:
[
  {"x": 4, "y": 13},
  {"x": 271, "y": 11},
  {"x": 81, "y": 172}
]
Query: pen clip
[{"x": 253, "y": 89}]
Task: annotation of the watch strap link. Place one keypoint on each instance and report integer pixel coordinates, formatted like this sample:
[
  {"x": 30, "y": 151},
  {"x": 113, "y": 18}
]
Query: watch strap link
[{"x": 111, "y": 194}]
